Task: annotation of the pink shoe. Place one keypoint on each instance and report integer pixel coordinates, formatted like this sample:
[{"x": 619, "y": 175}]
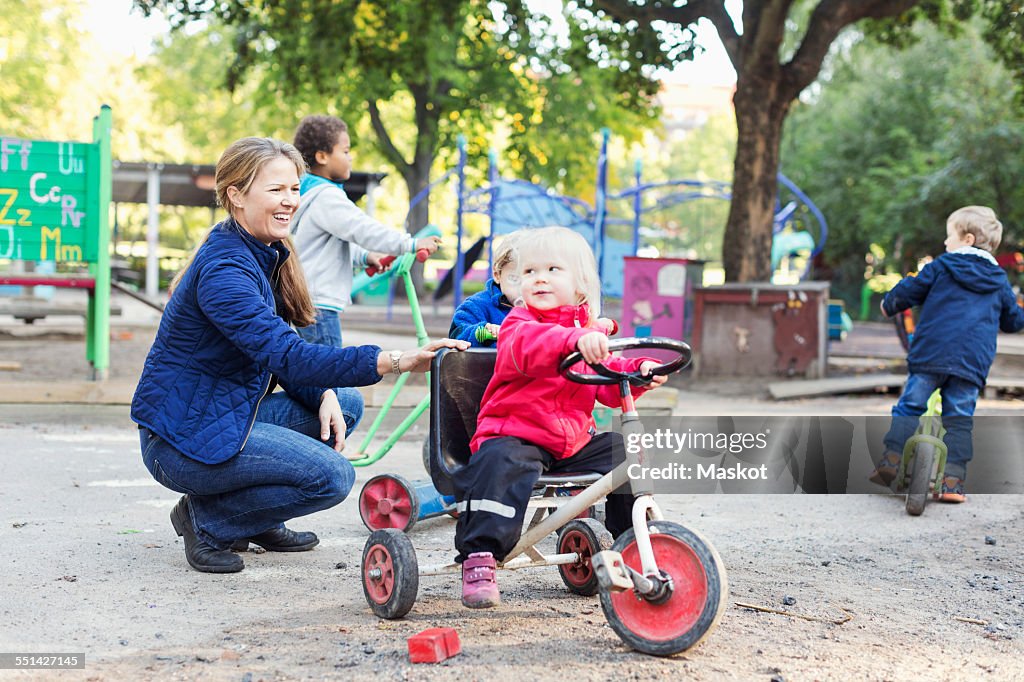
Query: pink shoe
[{"x": 479, "y": 584}]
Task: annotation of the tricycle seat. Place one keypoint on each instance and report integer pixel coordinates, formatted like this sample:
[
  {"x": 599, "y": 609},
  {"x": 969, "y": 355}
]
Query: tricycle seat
[{"x": 457, "y": 383}]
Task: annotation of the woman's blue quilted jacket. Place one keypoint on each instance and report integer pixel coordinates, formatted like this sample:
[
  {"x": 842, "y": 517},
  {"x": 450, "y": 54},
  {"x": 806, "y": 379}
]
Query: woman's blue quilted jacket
[{"x": 220, "y": 340}]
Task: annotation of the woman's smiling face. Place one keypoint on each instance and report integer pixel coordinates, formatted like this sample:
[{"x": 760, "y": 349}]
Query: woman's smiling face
[{"x": 266, "y": 210}]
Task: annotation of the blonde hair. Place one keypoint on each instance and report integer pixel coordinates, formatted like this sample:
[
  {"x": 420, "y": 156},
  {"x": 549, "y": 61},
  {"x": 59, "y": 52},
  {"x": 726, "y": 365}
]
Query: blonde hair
[
  {"x": 238, "y": 167},
  {"x": 576, "y": 251},
  {"x": 506, "y": 252},
  {"x": 980, "y": 221}
]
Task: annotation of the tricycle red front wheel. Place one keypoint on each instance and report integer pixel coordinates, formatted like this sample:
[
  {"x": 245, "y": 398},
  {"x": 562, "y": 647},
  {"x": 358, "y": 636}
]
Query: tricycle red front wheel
[{"x": 696, "y": 602}]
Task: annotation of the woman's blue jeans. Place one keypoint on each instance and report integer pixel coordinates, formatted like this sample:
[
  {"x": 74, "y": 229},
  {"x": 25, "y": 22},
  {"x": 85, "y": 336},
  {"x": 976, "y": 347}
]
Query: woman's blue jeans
[
  {"x": 326, "y": 330},
  {"x": 283, "y": 471},
  {"x": 959, "y": 398}
]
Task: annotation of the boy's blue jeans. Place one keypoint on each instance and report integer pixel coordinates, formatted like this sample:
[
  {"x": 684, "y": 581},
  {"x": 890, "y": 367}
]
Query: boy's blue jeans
[
  {"x": 326, "y": 331},
  {"x": 284, "y": 470},
  {"x": 959, "y": 397}
]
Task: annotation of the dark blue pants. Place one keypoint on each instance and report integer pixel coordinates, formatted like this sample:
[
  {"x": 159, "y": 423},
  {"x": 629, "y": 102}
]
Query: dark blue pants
[
  {"x": 283, "y": 471},
  {"x": 959, "y": 398},
  {"x": 493, "y": 490}
]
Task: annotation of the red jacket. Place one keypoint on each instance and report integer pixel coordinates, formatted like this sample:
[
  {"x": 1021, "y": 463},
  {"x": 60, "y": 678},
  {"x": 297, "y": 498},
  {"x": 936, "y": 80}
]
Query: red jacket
[{"x": 528, "y": 398}]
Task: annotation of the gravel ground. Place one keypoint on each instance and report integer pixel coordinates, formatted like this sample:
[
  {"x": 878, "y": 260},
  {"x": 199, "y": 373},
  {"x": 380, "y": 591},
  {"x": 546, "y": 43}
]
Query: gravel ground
[{"x": 92, "y": 565}]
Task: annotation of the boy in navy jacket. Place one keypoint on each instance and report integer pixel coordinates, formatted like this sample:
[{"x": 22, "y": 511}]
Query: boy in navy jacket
[{"x": 965, "y": 300}]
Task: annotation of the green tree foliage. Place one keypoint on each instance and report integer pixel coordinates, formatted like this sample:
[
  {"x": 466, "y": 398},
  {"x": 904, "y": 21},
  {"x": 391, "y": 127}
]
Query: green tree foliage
[
  {"x": 898, "y": 140},
  {"x": 777, "y": 48},
  {"x": 206, "y": 119},
  {"x": 436, "y": 70},
  {"x": 32, "y": 87},
  {"x": 704, "y": 154},
  {"x": 54, "y": 77}
]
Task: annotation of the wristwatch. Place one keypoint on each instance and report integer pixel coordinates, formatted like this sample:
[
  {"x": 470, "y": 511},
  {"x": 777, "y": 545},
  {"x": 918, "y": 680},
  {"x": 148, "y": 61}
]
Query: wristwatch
[{"x": 395, "y": 356}]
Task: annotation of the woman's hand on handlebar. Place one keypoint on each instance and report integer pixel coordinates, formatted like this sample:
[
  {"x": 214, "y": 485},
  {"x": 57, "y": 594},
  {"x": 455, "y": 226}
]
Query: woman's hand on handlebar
[{"x": 593, "y": 347}]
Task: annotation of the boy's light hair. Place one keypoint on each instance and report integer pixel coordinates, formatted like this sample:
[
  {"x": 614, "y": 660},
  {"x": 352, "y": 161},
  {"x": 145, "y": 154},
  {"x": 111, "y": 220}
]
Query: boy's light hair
[
  {"x": 576, "y": 251},
  {"x": 506, "y": 252},
  {"x": 981, "y": 221}
]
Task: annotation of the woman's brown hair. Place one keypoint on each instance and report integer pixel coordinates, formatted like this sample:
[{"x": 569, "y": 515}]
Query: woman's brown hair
[{"x": 238, "y": 167}]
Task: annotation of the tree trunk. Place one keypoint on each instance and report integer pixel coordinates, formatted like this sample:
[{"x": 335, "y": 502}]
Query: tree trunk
[
  {"x": 419, "y": 215},
  {"x": 747, "y": 246},
  {"x": 417, "y": 173},
  {"x": 416, "y": 179}
]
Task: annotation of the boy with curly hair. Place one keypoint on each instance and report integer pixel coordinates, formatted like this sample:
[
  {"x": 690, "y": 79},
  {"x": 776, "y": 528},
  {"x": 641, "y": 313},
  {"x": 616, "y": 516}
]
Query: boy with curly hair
[{"x": 331, "y": 233}]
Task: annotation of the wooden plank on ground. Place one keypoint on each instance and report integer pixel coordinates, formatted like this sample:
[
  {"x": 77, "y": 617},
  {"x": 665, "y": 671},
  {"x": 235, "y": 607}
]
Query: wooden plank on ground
[
  {"x": 1004, "y": 382},
  {"x": 7, "y": 366},
  {"x": 93, "y": 392},
  {"x": 783, "y": 390},
  {"x": 1010, "y": 344}
]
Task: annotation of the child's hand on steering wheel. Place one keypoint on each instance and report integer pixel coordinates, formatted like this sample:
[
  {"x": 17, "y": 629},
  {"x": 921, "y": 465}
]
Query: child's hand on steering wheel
[
  {"x": 645, "y": 370},
  {"x": 593, "y": 347}
]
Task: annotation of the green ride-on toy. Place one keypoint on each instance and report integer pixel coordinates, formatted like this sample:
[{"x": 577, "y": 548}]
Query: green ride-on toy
[{"x": 924, "y": 455}]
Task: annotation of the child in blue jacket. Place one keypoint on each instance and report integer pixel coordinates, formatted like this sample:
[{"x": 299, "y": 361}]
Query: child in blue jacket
[
  {"x": 478, "y": 318},
  {"x": 965, "y": 300}
]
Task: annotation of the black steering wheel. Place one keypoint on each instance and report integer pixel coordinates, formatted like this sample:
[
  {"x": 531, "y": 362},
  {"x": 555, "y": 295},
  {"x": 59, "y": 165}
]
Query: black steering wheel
[{"x": 609, "y": 376}]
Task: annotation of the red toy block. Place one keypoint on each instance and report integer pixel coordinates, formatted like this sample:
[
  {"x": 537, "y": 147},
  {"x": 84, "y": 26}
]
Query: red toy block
[{"x": 434, "y": 645}]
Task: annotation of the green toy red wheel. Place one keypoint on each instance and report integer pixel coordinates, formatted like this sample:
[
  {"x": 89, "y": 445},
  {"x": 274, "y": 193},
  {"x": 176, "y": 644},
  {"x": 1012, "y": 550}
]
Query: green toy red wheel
[{"x": 388, "y": 501}]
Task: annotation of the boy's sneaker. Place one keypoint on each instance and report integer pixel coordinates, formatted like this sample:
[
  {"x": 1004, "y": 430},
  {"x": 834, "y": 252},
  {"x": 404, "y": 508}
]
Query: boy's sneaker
[
  {"x": 479, "y": 583},
  {"x": 952, "y": 490},
  {"x": 885, "y": 472}
]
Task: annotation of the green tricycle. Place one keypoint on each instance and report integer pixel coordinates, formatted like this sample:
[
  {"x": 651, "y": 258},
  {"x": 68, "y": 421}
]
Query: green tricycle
[
  {"x": 389, "y": 500},
  {"x": 400, "y": 268}
]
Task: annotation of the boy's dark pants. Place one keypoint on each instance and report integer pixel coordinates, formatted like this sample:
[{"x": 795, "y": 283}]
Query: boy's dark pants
[
  {"x": 959, "y": 397},
  {"x": 494, "y": 489}
]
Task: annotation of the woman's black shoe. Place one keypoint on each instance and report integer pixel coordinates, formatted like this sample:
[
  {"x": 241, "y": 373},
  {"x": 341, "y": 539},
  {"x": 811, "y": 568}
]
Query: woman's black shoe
[
  {"x": 200, "y": 555},
  {"x": 284, "y": 540}
]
